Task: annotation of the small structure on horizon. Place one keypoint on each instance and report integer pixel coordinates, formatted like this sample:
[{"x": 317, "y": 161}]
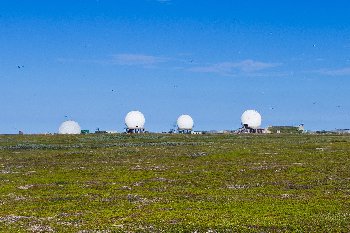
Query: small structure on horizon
[
  {"x": 342, "y": 131},
  {"x": 301, "y": 128},
  {"x": 112, "y": 131},
  {"x": 85, "y": 131},
  {"x": 196, "y": 132},
  {"x": 98, "y": 131}
]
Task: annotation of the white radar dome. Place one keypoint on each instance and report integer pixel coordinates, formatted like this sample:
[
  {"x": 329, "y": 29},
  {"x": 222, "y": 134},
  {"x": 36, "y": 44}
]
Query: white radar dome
[
  {"x": 69, "y": 127},
  {"x": 135, "y": 120},
  {"x": 251, "y": 118},
  {"x": 185, "y": 122}
]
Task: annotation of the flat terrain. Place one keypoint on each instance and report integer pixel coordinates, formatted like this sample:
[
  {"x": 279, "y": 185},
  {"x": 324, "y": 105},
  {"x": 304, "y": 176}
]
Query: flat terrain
[{"x": 174, "y": 183}]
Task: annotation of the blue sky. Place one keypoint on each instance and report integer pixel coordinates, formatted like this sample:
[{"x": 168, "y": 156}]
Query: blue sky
[{"x": 95, "y": 60}]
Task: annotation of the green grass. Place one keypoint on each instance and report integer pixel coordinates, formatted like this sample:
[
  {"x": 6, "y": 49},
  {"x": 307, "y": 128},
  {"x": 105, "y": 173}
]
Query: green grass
[{"x": 175, "y": 183}]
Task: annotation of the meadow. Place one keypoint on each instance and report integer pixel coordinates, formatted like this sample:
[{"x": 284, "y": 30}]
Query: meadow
[{"x": 175, "y": 183}]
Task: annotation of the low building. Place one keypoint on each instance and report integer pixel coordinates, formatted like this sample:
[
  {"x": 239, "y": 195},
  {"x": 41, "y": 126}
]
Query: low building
[
  {"x": 196, "y": 132},
  {"x": 111, "y": 131},
  {"x": 342, "y": 131},
  {"x": 285, "y": 129},
  {"x": 85, "y": 131},
  {"x": 247, "y": 129}
]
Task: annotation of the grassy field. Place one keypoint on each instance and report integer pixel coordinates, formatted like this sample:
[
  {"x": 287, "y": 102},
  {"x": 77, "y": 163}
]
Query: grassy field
[{"x": 175, "y": 183}]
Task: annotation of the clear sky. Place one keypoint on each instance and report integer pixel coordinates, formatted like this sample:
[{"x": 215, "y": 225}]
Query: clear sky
[{"x": 95, "y": 60}]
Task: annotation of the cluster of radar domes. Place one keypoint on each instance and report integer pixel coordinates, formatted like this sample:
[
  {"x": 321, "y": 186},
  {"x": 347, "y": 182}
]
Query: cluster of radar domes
[{"x": 136, "y": 120}]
